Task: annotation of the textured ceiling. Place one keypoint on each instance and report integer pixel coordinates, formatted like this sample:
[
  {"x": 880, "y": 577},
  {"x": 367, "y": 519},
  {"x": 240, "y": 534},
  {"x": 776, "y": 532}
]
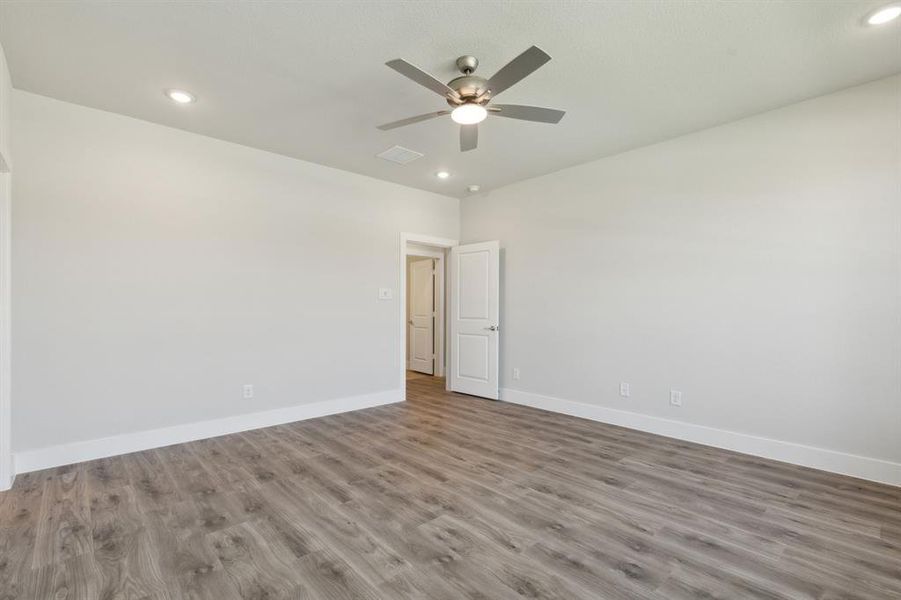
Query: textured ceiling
[{"x": 307, "y": 79}]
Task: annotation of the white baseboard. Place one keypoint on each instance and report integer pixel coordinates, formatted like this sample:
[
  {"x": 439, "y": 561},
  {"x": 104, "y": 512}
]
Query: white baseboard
[
  {"x": 873, "y": 469},
  {"x": 7, "y": 474},
  {"x": 75, "y": 452}
]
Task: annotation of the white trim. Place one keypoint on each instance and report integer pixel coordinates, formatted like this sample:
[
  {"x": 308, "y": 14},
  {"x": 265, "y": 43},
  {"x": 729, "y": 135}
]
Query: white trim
[
  {"x": 65, "y": 454},
  {"x": 424, "y": 251},
  {"x": 873, "y": 469},
  {"x": 423, "y": 240},
  {"x": 7, "y": 472}
]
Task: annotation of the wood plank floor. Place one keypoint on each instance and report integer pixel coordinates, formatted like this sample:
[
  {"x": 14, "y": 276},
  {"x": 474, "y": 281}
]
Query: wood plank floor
[{"x": 446, "y": 496}]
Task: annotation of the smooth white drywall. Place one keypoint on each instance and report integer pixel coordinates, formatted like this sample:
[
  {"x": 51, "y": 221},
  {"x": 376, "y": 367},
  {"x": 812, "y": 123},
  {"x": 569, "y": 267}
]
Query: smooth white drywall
[
  {"x": 5, "y": 111},
  {"x": 157, "y": 271},
  {"x": 6, "y": 463},
  {"x": 756, "y": 267}
]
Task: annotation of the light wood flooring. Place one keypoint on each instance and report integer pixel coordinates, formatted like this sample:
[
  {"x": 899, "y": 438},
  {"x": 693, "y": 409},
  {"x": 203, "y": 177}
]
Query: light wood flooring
[{"x": 446, "y": 496}]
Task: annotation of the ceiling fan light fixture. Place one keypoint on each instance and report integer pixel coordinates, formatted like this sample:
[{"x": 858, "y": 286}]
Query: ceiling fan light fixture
[
  {"x": 884, "y": 15},
  {"x": 469, "y": 114}
]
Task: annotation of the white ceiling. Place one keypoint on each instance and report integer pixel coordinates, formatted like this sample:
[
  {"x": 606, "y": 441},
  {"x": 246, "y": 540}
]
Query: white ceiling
[{"x": 307, "y": 79}]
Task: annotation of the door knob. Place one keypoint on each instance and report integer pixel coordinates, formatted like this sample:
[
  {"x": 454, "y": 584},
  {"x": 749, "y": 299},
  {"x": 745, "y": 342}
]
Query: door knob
[{"x": 493, "y": 328}]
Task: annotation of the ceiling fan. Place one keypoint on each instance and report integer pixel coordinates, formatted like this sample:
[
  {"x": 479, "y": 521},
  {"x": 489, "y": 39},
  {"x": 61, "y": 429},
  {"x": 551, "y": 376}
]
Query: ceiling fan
[{"x": 470, "y": 95}]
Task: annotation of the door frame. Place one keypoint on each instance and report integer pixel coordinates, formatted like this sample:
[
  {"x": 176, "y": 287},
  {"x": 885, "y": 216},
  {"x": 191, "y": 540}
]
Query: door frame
[
  {"x": 440, "y": 245},
  {"x": 7, "y": 468}
]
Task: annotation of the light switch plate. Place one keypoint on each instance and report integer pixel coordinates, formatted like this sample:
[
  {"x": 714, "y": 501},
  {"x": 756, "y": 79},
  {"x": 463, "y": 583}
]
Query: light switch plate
[{"x": 385, "y": 294}]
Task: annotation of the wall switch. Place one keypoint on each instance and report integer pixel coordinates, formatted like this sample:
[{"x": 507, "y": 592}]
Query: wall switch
[
  {"x": 625, "y": 390},
  {"x": 515, "y": 373},
  {"x": 248, "y": 391},
  {"x": 385, "y": 294},
  {"x": 675, "y": 398}
]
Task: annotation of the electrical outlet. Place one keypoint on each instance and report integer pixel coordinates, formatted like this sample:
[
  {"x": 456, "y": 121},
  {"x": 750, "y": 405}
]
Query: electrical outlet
[
  {"x": 675, "y": 397},
  {"x": 248, "y": 391},
  {"x": 515, "y": 373},
  {"x": 625, "y": 390}
]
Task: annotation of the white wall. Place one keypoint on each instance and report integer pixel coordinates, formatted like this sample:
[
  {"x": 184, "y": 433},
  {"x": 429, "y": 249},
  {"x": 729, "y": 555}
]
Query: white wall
[
  {"x": 157, "y": 271},
  {"x": 756, "y": 267},
  {"x": 5, "y": 112},
  {"x": 6, "y": 467}
]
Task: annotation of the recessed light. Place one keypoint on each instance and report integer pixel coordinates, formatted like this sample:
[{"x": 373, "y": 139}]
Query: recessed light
[
  {"x": 469, "y": 114},
  {"x": 442, "y": 174},
  {"x": 884, "y": 15},
  {"x": 473, "y": 188},
  {"x": 181, "y": 96}
]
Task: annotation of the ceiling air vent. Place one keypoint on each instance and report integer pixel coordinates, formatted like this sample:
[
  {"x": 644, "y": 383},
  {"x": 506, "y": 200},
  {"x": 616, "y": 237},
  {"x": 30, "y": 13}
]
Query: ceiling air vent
[{"x": 400, "y": 155}]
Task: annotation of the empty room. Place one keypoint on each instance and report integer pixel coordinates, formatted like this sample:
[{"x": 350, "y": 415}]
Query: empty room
[{"x": 438, "y": 300}]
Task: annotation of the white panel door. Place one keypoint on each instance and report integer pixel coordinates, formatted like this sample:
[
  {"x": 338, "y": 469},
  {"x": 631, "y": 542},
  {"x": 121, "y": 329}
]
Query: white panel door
[
  {"x": 474, "y": 308},
  {"x": 422, "y": 316}
]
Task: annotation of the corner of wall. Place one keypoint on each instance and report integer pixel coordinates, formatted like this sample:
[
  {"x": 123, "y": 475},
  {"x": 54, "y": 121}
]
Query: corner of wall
[{"x": 6, "y": 463}]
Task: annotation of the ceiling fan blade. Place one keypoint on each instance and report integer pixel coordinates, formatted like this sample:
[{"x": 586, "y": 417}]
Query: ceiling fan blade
[
  {"x": 517, "y": 69},
  {"x": 528, "y": 113},
  {"x": 411, "y": 120},
  {"x": 469, "y": 137},
  {"x": 421, "y": 77}
]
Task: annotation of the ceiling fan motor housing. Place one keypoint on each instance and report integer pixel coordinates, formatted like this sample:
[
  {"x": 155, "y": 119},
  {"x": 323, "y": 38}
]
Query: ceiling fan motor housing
[{"x": 471, "y": 88}]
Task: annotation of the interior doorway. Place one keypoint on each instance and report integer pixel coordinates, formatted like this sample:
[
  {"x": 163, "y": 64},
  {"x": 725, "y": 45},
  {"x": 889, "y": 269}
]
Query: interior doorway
[
  {"x": 437, "y": 249},
  {"x": 465, "y": 321}
]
